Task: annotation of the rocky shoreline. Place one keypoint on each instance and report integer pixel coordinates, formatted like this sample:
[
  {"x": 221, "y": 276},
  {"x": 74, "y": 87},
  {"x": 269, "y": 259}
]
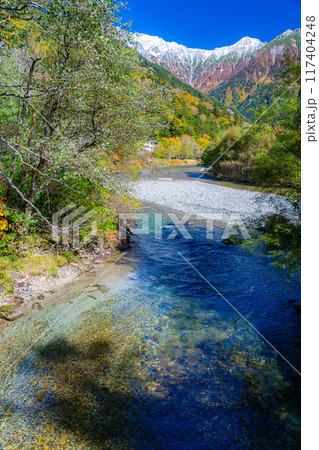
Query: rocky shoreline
[{"x": 30, "y": 290}]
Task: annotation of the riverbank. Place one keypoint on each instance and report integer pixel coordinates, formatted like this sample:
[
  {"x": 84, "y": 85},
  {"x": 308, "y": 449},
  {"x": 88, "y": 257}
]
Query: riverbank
[
  {"x": 149, "y": 162},
  {"x": 43, "y": 274}
]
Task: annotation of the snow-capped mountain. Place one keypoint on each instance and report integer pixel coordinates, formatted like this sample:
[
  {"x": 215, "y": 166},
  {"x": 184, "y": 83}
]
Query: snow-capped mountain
[
  {"x": 156, "y": 47},
  {"x": 189, "y": 63},
  {"x": 207, "y": 69}
]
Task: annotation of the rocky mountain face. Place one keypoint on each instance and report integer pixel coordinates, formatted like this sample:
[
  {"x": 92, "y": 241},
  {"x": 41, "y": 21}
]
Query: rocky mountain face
[
  {"x": 203, "y": 69},
  {"x": 233, "y": 74},
  {"x": 258, "y": 82}
]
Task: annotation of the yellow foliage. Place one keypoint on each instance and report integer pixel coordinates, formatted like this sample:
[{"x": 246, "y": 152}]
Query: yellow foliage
[
  {"x": 19, "y": 24},
  {"x": 223, "y": 121},
  {"x": 15, "y": 24},
  {"x": 3, "y": 220},
  {"x": 3, "y": 224},
  {"x": 190, "y": 98},
  {"x": 229, "y": 97},
  {"x": 242, "y": 94},
  {"x": 38, "y": 46},
  {"x": 203, "y": 142}
]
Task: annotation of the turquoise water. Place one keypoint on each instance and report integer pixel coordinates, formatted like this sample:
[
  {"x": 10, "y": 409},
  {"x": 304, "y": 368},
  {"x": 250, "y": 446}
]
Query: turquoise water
[{"x": 154, "y": 358}]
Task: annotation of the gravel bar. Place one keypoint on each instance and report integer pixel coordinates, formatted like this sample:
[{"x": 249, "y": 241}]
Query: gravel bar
[{"x": 200, "y": 198}]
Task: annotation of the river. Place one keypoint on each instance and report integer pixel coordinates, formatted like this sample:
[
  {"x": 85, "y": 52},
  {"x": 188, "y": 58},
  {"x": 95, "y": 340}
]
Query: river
[{"x": 175, "y": 344}]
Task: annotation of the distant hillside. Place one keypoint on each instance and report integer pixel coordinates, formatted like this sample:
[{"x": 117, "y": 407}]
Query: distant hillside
[
  {"x": 259, "y": 81},
  {"x": 176, "y": 82},
  {"x": 192, "y": 112}
]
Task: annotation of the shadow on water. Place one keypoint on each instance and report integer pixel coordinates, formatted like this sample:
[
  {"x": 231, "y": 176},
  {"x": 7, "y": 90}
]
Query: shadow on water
[
  {"x": 91, "y": 395},
  {"x": 97, "y": 396},
  {"x": 76, "y": 388}
]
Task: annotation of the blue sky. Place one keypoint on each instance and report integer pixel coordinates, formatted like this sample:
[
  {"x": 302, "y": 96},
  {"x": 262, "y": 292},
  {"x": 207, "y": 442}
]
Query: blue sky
[{"x": 210, "y": 23}]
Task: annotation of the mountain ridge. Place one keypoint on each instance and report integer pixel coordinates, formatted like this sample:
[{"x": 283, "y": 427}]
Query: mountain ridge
[
  {"x": 185, "y": 62},
  {"x": 150, "y": 43},
  {"x": 215, "y": 72}
]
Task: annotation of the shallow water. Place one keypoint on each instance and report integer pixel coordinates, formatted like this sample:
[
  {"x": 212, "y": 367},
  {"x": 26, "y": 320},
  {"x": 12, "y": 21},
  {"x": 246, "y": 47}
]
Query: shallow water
[
  {"x": 190, "y": 173},
  {"x": 153, "y": 357}
]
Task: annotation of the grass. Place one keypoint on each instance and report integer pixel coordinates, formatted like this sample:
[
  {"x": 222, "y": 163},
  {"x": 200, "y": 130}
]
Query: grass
[{"x": 31, "y": 263}]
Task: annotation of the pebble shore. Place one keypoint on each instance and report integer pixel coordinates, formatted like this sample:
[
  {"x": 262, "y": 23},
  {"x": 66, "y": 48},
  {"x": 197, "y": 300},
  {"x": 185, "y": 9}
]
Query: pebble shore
[{"x": 197, "y": 197}]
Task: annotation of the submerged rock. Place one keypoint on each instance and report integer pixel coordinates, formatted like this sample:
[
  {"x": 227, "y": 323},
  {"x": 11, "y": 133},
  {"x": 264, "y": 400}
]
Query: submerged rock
[
  {"x": 101, "y": 288},
  {"x": 232, "y": 241},
  {"x": 16, "y": 301},
  {"x": 91, "y": 289},
  {"x": 37, "y": 305},
  {"x": 13, "y": 315}
]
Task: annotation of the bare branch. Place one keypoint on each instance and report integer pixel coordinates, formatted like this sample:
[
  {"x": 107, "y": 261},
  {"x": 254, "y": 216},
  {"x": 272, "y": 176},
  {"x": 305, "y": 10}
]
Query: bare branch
[{"x": 25, "y": 199}]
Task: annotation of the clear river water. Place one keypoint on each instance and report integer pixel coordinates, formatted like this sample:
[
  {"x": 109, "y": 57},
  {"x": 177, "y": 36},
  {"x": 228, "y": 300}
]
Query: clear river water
[{"x": 147, "y": 354}]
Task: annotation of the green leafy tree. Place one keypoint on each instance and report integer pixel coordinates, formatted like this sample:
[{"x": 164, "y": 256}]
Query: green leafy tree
[
  {"x": 75, "y": 105},
  {"x": 279, "y": 234}
]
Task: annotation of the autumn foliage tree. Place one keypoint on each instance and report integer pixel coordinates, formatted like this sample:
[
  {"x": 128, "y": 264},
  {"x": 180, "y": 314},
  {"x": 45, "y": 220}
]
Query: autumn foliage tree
[{"x": 74, "y": 106}]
